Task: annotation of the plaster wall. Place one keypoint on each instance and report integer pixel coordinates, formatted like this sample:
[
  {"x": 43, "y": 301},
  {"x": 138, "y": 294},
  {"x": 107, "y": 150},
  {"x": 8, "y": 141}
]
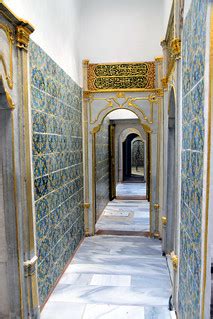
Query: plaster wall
[
  {"x": 122, "y": 30},
  {"x": 56, "y": 29}
]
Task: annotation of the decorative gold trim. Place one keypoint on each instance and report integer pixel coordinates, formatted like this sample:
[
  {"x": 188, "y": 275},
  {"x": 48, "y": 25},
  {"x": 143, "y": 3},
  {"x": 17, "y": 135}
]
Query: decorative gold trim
[
  {"x": 10, "y": 101},
  {"x": 164, "y": 82},
  {"x": 127, "y": 102},
  {"x": 30, "y": 266},
  {"x": 159, "y": 58},
  {"x": 96, "y": 129},
  {"x": 174, "y": 259},
  {"x": 176, "y": 48},
  {"x": 86, "y": 205},
  {"x": 156, "y": 206},
  {"x": 22, "y": 37},
  {"x": 123, "y": 90},
  {"x": 164, "y": 220}
]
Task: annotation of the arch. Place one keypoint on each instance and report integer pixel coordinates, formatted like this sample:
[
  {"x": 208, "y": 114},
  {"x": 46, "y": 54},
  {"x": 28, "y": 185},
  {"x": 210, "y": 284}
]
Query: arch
[
  {"x": 105, "y": 112},
  {"x": 123, "y": 135}
]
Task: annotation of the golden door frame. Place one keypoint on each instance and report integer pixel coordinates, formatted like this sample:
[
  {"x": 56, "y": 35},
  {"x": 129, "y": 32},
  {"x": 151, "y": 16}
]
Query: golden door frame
[{"x": 91, "y": 131}]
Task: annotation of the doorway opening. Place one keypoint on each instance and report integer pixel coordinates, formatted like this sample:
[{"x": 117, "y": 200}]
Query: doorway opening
[{"x": 120, "y": 175}]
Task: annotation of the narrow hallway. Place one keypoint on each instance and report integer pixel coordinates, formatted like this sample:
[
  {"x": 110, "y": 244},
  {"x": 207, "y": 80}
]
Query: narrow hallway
[
  {"x": 128, "y": 213},
  {"x": 117, "y": 274},
  {"x": 113, "y": 277}
]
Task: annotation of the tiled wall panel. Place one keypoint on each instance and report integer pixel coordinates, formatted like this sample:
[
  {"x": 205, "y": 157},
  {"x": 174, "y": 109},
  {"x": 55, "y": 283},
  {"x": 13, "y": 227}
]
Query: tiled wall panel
[
  {"x": 193, "y": 131},
  {"x": 102, "y": 168},
  {"x": 57, "y": 162}
]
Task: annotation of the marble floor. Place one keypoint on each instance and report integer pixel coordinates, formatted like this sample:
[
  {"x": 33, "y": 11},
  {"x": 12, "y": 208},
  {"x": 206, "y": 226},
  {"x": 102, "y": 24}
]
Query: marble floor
[
  {"x": 125, "y": 215},
  {"x": 113, "y": 277},
  {"x": 130, "y": 189}
]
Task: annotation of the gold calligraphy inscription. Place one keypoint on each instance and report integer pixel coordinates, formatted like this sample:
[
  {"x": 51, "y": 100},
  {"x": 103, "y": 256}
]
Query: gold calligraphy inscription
[{"x": 121, "y": 76}]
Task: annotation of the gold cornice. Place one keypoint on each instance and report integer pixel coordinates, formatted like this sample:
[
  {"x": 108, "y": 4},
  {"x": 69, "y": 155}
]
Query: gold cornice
[
  {"x": 22, "y": 37},
  {"x": 13, "y": 18},
  {"x": 159, "y": 59}
]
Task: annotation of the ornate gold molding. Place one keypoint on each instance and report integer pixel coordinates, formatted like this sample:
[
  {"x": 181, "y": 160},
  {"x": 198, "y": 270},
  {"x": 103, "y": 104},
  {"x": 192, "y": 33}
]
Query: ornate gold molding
[
  {"x": 120, "y": 100},
  {"x": 176, "y": 48},
  {"x": 156, "y": 206},
  {"x": 30, "y": 266},
  {"x": 22, "y": 37},
  {"x": 164, "y": 220}
]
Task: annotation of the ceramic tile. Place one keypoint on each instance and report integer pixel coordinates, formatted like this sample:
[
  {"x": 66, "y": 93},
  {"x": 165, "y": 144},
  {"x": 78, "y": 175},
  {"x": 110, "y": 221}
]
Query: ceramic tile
[
  {"x": 194, "y": 47},
  {"x": 57, "y": 164}
]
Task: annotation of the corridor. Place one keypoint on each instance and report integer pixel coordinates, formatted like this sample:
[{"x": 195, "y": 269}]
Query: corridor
[
  {"x": 115, "y": 276},
  {"x": 126, "y": 213}
]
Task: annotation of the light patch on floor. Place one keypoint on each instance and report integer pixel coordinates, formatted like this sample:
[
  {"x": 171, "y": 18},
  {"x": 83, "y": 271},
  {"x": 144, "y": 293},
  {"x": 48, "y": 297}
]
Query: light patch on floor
[
  {"x": 111, "y": 280},
  {"x": 116, "y": 214}
]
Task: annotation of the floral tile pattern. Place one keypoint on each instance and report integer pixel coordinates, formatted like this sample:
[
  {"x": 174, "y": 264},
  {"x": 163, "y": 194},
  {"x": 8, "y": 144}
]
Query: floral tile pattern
[
  {"x": 193, "y": 131},
  {"x": 102, "y": 168},
  {"x": 58, "y": 168}
]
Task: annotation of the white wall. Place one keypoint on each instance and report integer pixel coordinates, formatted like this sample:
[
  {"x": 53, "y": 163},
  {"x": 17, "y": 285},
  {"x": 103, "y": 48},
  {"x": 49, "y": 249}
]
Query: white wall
[
  {"x": 100, "y": 30},
  {"x": 167, "y": 10},
  {"x": 56, "y": 29},
  {"x": 121, "y": 115},
  {"x": 121, "y": 30}
]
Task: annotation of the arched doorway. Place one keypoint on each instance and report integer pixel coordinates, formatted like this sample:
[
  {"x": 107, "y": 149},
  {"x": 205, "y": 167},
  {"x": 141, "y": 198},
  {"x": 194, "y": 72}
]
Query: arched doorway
[
  {"x": 138, "y": 158},
  {"x": 171, "y": 157},
  {"x": 106, "y": 157}
]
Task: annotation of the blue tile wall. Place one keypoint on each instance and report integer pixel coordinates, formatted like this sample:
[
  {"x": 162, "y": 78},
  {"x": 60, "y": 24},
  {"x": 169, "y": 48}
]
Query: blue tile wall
[
  {"x": 102, "y": 168},
  {"x": 58, "y": 170},
  {"x": 193, "y": 131}
]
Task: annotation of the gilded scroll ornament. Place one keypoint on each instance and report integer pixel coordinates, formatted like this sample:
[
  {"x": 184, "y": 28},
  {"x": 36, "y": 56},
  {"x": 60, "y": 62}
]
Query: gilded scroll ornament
[
  {"x": 176, "y": 48},
  {"x": 10, "y": 39},
  {"x": 121, "y": 76}
]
